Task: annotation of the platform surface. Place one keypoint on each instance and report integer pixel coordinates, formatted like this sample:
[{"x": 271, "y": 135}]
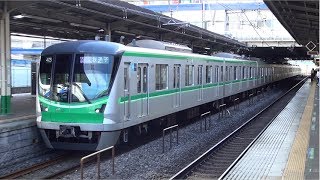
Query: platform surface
[
  {"x": 271, "y": 156},
  {"x": 23, "y": 106}
]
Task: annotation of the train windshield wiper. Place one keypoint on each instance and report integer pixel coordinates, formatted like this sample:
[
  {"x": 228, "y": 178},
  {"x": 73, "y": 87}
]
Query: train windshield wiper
[{"x": 82, "y": 93}]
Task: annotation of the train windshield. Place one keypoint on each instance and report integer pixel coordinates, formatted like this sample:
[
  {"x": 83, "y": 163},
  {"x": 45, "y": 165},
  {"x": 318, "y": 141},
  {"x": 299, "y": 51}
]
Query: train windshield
[{"x": 90, "y": 79}]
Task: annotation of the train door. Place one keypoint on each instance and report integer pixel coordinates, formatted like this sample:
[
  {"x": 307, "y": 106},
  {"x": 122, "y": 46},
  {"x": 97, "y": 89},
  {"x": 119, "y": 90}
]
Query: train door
[
  {"x": 200, "y": 82},
  {"x": 143, "y": 89},
  {"x": 176, "y": 85},
  {"x": 126, "y": 90}
]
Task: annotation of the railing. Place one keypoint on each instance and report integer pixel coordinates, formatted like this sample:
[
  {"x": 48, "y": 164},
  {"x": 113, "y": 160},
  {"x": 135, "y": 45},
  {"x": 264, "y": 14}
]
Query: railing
[
  {"x": 222, "y": 110},
  {"x": 250, "y": 99},
  {"x": 82, "y": 161},
  {"x": 236, "y": 103},
  {"x": 204, "y": 117},
  {"x": 164, "y": 133}
]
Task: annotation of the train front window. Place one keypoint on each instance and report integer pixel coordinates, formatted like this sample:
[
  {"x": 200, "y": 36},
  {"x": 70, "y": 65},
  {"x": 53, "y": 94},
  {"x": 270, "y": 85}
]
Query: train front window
[
  {"x": 61, "y": 78},
  {"x": 92, "y": 75},
  {"x": 45, "y": 76}
]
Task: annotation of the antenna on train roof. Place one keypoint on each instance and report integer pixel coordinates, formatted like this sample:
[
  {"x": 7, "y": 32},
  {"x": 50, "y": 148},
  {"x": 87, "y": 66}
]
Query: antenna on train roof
[
  {"x": 121, "y": 39},
  {"x": 107, "y": 38},
  {"x": 134, "y": 44}
]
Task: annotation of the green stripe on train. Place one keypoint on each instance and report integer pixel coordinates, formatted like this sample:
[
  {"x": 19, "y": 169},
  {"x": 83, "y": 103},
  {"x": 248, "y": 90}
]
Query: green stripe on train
[
  {"x": 184, "y": 57},
  {"x": 172, "y": 91},
  {"x": 72, "y": 113}
]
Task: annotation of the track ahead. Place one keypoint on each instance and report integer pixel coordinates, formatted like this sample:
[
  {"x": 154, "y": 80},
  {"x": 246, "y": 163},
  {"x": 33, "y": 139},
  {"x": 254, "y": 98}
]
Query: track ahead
[{"x": 218, "y": 160}]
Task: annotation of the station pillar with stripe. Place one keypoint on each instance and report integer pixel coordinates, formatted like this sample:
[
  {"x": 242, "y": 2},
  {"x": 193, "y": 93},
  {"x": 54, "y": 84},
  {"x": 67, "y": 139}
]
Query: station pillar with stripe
[{"x": 5, "y": 61}]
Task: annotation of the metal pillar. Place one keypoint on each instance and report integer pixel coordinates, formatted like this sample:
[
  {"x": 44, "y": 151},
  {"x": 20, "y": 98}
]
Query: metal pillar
[{"x": 5, "y": 61}]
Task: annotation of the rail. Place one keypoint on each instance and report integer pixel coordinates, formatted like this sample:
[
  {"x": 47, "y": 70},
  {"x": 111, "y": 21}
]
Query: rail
[
  {"x": 164, "y": 133},
  {"x": 82, "y": 161},
  {"x": 204, "y": 117}
]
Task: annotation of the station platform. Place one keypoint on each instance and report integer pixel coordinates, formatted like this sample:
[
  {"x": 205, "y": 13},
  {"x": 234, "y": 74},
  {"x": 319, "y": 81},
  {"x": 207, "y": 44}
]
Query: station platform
[
  {"x": 289, "y": 148},
  {"x": 23, "y": 106}
]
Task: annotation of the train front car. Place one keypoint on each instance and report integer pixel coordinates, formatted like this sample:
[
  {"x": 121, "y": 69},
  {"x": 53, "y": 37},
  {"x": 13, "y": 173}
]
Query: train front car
[{"x": 74, "y": 101}]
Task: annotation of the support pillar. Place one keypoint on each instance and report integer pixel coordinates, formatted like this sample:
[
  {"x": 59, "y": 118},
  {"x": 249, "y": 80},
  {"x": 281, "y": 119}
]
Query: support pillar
[{"x": 5, "y": 62}]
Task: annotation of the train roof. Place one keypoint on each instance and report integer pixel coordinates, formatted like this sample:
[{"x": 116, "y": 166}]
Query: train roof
[
  {"x": 84, "y": 46},
  {"x": 144, "y": 52},
  {"x": 105, "y": 47}
]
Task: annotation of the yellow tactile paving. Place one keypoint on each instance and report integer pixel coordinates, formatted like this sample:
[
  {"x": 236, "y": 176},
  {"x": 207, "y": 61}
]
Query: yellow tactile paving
[{"x": 296, "y": 162}]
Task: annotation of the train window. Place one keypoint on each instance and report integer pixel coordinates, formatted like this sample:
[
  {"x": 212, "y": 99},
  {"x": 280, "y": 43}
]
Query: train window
[
  {"x": 161, "y": 76},
  {"x": 243, "y": 72},
  {"x": 235, "y": 73},
  {"x": 216, "y": 76},
  {"x": 125, "y": 76},
  {"x": 230, "y": 73},
  {"x": 145, "y": 79},
  {"x": 208, "y": 74},
  {"x": 189, "y": 75},
  {"x": 221, "y": 74},
  {"x": 200, "y": 74},
  {"x": 227, "y": 73},
  {"x": 250, "y": 72},
  {"x": 176, "y": 76},
  {"x": 139, "y": 80},
  {"x": 61, "y": 77},
  {"x": 45, "y": 75}
]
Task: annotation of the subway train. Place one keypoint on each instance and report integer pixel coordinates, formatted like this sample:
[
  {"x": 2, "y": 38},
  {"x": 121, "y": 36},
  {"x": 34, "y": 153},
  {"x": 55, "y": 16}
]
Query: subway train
[{"x": 93, "y": 94}]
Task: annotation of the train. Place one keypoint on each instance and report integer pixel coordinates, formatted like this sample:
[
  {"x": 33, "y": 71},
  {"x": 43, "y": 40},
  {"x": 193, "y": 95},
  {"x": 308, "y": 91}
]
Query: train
[{"x": 93, "y": 94}]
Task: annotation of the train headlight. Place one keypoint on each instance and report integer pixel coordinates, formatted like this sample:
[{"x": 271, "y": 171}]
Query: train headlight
[
  {"x": 46, "y": 109},
  {"x": 101, "y": 109}
]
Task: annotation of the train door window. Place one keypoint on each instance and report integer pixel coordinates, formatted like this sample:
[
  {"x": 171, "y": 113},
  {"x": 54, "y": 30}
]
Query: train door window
[
  {"x": 208, "y": 74},
  {"x": 216, "y": 75},
  {"x": 227, "y": 73},
  {"x": 230, "y": 73},
  {"x": 243, "y": 72},
  {"x": 221, "y": 74},
  {"x": 250, "y": 72},
  {"x": 125, "y": 78},
  {"x": 189, "y": 75},
  {"x": 145, "y": 79},
  {"x": 235, "y": 73},
  {"x": 161, "y": 76},
  {"x": 139, "y": 80},
  {"x": 200, "y": 74},
  {"x": 176, "y": 76}
]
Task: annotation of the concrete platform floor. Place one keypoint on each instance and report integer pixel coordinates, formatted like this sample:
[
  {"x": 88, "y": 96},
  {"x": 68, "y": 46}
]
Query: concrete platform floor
[
  {"x": 289, "y": 148},
  {"x": 23, "y": 106}
]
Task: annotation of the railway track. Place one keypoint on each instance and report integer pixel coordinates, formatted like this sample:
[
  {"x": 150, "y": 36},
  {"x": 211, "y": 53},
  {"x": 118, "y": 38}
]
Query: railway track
[
  {"x": 47, "y": 170},
  {"x": 218, "y": 160}
]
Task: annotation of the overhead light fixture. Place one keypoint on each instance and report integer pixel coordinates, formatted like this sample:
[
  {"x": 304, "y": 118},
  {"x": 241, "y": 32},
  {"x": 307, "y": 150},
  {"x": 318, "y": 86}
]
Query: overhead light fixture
[
  {"x": 18, "y": 16},
  {"x": 84, "y": 26},
  {"x": 36, "y": 17}
]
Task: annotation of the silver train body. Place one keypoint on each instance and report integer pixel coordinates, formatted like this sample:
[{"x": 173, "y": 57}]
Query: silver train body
[{"x": 152, "y": 84}]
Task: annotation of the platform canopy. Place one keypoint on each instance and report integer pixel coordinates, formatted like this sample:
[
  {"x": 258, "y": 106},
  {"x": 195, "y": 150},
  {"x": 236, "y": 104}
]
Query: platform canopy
[
  {"x": 85, "y": 19},
  {"x": 300, "y": 18}
]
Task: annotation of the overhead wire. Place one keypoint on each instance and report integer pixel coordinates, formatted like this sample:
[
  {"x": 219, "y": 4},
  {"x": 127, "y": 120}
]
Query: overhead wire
[{"x": 251, "y": 24}]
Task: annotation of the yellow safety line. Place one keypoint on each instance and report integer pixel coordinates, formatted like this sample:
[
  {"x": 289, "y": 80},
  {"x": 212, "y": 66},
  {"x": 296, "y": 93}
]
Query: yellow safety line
[{"x": 297, "y": 157}]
